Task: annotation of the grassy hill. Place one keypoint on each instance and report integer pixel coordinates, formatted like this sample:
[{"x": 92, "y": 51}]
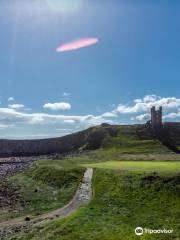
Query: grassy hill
[
  {"x": 136, "y": 183},
  {"x": 134, "y": 139},
  {"x": 128, "y": 138}
]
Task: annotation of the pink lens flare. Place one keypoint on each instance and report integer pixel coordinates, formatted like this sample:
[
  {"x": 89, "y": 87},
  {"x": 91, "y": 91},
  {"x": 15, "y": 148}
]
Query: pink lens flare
[{"x": 77, "y": 44}]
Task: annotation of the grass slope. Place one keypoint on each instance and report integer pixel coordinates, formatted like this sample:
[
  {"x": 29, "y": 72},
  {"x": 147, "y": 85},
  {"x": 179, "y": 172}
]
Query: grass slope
[
  {"x": 43, "y": 188},
  {"x": 134, "y": 139},
  {"x": 123, "y": 200}
]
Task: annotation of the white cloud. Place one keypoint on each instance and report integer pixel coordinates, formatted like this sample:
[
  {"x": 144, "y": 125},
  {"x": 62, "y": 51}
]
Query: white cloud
[
  {"x": 172, "y": 115},
  {"x": 143, "y": 117},
  {"x": 109, "y": 115},
  {"x": 69, "y": 121},
  {"x": 16, "y": 106},
  {"x": 13, "y": 116},
  {"x": 140, "y": 108},
  {"x": 2, "y": 126},
  {"x": 149, "y": 98},
  {"x": 138, "y": 100},
  {"x": 10, "y": 99},
  {"x": 144, "y": 104},
  {"x": 65, "y": 94},
  {"x": 58, "y": 106},
  {"x": 37, "y": 119}
]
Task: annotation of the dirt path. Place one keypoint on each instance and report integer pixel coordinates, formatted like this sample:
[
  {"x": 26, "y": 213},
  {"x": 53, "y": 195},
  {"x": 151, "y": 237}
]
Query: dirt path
[{"x": 82, "y": 196}]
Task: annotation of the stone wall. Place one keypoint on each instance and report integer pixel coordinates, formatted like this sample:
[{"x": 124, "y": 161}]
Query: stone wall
[
  {"x": 90, "y": 138},
  {"x": 42, "y": 146}
]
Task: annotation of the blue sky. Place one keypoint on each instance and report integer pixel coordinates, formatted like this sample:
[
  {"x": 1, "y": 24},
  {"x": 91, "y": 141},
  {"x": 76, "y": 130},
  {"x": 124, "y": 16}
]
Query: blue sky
[{"x": 134, "y": 65}]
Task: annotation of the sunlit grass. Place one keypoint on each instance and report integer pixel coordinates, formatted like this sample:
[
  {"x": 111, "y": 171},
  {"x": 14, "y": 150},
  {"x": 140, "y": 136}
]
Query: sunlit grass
[{"x": 138, "y": 165}]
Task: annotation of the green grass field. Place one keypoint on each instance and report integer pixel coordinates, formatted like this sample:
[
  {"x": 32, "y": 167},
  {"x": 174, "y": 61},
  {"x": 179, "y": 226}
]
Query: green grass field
[
  {"x": 122, "y": 201},
  {"x": 139, "y": 166}
]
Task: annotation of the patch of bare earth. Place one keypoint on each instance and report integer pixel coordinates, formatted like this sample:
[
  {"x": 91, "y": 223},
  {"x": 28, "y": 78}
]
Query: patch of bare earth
[{"x": 9, "y": 196}]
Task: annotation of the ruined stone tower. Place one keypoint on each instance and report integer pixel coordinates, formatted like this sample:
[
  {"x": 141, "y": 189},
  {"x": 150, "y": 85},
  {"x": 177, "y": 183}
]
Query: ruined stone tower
[{"x": 156, "y": 116}]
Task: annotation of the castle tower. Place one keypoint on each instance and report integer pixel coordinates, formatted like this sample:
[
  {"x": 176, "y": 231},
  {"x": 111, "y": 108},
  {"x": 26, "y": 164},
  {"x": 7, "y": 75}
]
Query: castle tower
[{"x": 156, "y": 116}]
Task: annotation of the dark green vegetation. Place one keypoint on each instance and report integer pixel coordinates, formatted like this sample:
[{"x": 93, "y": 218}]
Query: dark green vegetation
[
  {"x": 173, "y": 131},
  {"x": 123, "y": 200},
  {"x": 43, "y": 188}
]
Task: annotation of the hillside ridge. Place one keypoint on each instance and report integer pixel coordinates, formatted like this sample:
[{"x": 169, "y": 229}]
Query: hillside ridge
[{"x": 93, "y": 138}]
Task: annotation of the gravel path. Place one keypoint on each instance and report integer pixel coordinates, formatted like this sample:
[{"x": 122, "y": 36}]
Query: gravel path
[{"x": 82, "y": 196}]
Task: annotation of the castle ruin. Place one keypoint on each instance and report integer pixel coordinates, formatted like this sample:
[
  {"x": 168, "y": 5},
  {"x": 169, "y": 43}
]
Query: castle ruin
[{"x": 156, "y": 116}]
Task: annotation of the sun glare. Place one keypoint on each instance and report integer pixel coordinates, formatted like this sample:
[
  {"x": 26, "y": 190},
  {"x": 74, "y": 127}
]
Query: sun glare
[{"x": 74, "y": 45}]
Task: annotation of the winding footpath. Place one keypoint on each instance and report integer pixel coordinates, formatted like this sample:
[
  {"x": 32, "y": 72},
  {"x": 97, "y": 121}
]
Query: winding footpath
[{"x": 82, "y": 196}]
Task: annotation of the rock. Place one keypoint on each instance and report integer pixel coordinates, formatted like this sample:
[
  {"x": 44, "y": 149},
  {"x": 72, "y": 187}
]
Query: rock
[{"x": 27, "y": 219}]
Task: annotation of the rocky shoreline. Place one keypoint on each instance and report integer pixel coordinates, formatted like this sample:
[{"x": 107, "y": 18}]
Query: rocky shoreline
[{"x": 11, "y": 165}]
